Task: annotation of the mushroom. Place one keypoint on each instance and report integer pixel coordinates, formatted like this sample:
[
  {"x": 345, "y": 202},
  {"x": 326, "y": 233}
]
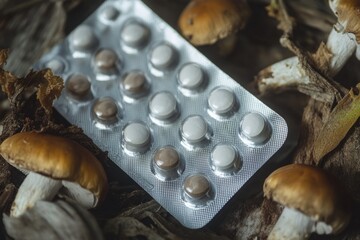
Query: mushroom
[
  {"x": 313, "y": 200},
  {"x": 204, "y": 22},
  {"x": 347, "y": 13},
  {"x": 342, "y": 42},
  {"x": 53, "y": 163}
]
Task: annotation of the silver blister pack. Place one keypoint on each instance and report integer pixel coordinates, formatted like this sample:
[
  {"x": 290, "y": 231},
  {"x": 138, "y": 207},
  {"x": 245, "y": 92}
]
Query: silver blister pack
[{"x": 173, "y": 121}]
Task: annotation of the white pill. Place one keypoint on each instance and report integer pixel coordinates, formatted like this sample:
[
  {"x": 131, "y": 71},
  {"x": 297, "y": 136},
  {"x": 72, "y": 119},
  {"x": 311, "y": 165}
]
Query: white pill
[
  {"x": 191, "y": 76},
  {"x": 163, "y": 105},
  {"x": 56, "y": 65},
  {"x": 109, "y": 13},
  {"x": 223, "y": 157},
  {"x": 83, "y": 38},
  {"x": 221, "y": 101},
  {"x": 255, "y": 128},
  {"x": 137, "y": 135},
  {"x": 194, "y": 129},
  {"x": 134, "y": 34},
  {"x": 162, "y": 56}
]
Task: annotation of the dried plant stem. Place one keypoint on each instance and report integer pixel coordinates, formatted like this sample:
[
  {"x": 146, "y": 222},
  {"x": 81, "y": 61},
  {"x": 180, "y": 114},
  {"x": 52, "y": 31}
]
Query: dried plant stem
[{"x": 289, "y": 73}]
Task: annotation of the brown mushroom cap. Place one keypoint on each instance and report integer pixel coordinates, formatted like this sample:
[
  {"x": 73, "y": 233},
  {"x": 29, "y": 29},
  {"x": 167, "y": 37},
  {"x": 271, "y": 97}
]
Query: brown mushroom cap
[
  {"x": 348, "y": 12},
  {"x": 206, "y": 21},
  {"x": 55, "y": 157},
  {"x": 311, "y": 191}
]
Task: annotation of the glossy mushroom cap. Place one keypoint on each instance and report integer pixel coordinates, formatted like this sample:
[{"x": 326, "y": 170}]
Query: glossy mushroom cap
[
  {"x": 207, "y": 21},
  {"x": 311, "y": 191},
  {"x": 56, "y": 157},
  {"x": 348, "y": 13}
]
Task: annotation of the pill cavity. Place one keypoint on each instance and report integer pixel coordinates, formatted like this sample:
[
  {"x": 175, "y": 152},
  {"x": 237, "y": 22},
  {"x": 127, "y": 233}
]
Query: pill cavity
[
  {"x": 194, "y": 129},
  {"x": 56, "y": 65},
  {"x": 134, "y": 34},
  {"x": 163, "y": 105},
  {"x": 83, "y": 39},
  {"x": 254, "y": 128},
  {"x": 78, "y": 86},
  {"x": 191, "y": 76},
  {"x": 167, "y": 158},
  {"x": 136, "y": 137},
  {"x": 134, "y": 84},
  {"x": 109, "y": 13},
  {"x": 106, "y": 110},
  {"x": 106, "y": 61},
  {"x": 196, "y": 186},
  {"x": 162, "y": 56},
  {"x": 221, "y": 101},
  {"x": 223, "y": 157}
]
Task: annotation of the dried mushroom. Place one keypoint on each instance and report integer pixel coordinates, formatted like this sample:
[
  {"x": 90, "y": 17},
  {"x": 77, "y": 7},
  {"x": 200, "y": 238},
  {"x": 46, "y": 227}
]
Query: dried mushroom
[
  {"x": 291, "y": 73},
  {"x": 347, "y": 12}
]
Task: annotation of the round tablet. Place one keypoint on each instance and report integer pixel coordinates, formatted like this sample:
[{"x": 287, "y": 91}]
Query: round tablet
[
  {"x": 221, "y": 101},
  {"x": 106, "y": 60},
  {"x": 83, "y": 38},
  {"x": 191, "y": 76},
  {"x": 105, "y": 109},
  {"x": 167, "y": 158},
  {"x": 223, "y": 157},
  {"x": 109, "y": 13},
  {"x": 134, "y": 83},
  {"x": 137, "y": 135},
  {"x": 254, "y": 127},
  {"x": 194, "y": 129},
  {"x": 56, "y": 65},
  {"x": 162, "y": 56},
  {"x": 78, "y": 86},
  {"x": 196, "y": 186},
  {"x": 134, "y": 34},
  {"x": 163, "y": 105}
]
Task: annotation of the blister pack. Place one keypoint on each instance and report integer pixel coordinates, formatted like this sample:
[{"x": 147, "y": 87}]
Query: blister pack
[{"x": 173, "y": 121}]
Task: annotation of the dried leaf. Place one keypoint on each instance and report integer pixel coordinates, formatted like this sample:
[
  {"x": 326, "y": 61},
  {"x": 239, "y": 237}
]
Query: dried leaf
[
  {"x": 7, "y": 79},
  {"x": 48, "y": 85},
  {"x": 341, "y": 119},
  {"x": 320, "y": 86},
  {"x": 277, "y": 9}
]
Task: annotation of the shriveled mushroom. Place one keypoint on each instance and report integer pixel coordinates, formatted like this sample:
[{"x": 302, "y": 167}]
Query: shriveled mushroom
[
  {"x": 53, "y": 163},
  {"x": 342, "y": 42},
  {"x": 347, "y": 13},
  {"x": 313, "y": 199},
  {"x": 204, "y": 22}
]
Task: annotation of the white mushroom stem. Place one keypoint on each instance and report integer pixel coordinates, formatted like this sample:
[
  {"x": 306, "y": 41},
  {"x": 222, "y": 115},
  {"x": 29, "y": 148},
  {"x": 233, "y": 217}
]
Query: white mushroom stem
[
  {"x": 342, "y": 45},
  {"x": 294, "y": 225},
  {"x": 34, "y": 188},
  {"x": 284, "y": 74},
  {"x": 289, "y": 74},
  {"x": 81, "y": 195},
  {"x": 39, "y": 187}
]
